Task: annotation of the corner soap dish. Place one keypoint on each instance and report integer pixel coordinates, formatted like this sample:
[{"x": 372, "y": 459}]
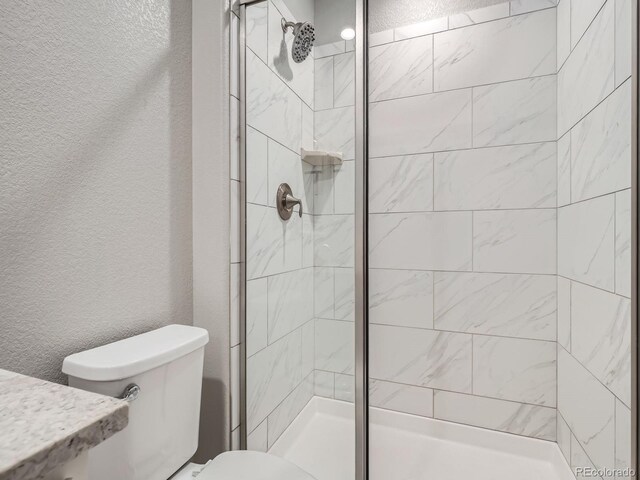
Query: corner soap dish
[{"x": 319, "y": 158}]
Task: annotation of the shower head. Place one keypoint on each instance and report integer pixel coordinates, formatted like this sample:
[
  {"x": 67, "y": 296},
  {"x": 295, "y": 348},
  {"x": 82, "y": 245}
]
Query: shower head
[{"x": 304, "y": 37}]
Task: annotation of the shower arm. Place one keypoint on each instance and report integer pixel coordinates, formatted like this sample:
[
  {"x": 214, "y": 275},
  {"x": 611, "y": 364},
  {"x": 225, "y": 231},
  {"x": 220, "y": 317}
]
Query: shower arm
[{"x": 288, "y": 25}]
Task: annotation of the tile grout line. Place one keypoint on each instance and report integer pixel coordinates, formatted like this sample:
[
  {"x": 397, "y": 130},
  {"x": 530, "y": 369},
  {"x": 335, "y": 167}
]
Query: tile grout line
[
  {"x": 449, "y": 332},
  {"x": 468, "y": 87},
  {"x": 466, "y": 394}
]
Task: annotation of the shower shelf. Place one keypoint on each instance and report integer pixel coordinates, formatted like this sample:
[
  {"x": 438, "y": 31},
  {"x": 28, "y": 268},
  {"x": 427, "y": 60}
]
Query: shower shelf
[{"x": 319, "y": 158}]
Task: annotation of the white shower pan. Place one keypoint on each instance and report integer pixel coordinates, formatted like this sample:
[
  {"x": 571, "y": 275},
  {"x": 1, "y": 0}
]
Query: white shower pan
[{"x": 408, "y": 447}]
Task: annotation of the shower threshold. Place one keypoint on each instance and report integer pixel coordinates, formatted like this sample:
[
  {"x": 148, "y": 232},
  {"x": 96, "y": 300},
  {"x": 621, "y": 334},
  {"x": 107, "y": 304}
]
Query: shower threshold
[{"x": 407, "y": 447}]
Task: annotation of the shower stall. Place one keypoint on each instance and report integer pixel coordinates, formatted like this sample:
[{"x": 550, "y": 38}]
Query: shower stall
[{"x": 436, "y": 237}]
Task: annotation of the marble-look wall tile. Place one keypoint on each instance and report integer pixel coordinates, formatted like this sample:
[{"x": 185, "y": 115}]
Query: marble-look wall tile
[
  {"x": 379, "y": 38},
  {"x": 344, "y": 194},
  {"x": 324, "y": 187},
  {"x": 401, "y": 398},
  {"x": 479, "y": 15},
  {"x": 401, "y": 184},
  {"x": 256, "y": 33},
  {"x": 624, "y": 40},
  {"x": 520, "y": 419},
  {"x": 257, "y": 166},
  {"x": 345, "y": 388},
  {"x": 623, "y": 243},
  {"x": 344, "y": 295},
  {"x": 329, "y": 49},
  {"x": 563, "y": 14},
  {"x": 564, "y": 170},
  {"x": 425, "y": 241},
  {"x": 285, "y": 166},
  {"x": 272, "y": 374},
  {"x": 324, "y": 83},
  {"x": 588, "y": 408},
  {"x": 522, "y": 111},
  {"x": 308, "y": 332},
  {"x": 401, "y": 297},
  {"x": 515, "y": 241},
  {"x": 323, "y": 292},
  {"x": 272, "y": 107},
  {"x": 401, "y": 69},
  {"x": 588, "y": 75},
  {"x": 335, "y": 346},
  {"x": 601, "y": 148},
  {"x": 333, "y": 240},
  {"x": 298, "y": 76},
  {"x": 423, "y": 124},
  {"x": 290, "y": 303},
  {"x": 420, "y": 29},
  {"x": 564, "y": 313},
  {"x": 288, "y": 410},
  {"x": 522, "y": 176},
  {"x": 515, "y": 369},
  {"x": 582, "y": 14},
  {"x": 257, "y": 440},
  {"x": 427, "y": 358},
  {"x": 257, "y": 323},
  {"x": 623, "y": 437},
  {"x": 273, "y": 246},
  {"x": 308, "y": 248},
  {"x": 308, "y": 137},
  {"x": 324, "y": 384},
  {"x": 344, "y": 80},
  {"x": 586, "y": 239},
  {"x": 601, "y": 337},
  {"x": 580, "y": 461},
  {"x": 496, "y": 304},
  {"x": 335, "y": 131},
  {"x": 563, "y": 437},
  {"x": 493, "y": 52},
  {"x": 519, "y": 7}
]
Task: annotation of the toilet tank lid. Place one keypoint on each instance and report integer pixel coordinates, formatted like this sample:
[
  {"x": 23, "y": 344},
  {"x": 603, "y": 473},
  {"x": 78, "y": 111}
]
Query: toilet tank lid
[{"x": 135, "y": 355}]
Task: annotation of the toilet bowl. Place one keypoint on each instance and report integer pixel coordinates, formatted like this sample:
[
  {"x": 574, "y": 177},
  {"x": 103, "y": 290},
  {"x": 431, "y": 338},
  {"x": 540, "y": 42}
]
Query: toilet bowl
[{"x": 160, "y": 375}]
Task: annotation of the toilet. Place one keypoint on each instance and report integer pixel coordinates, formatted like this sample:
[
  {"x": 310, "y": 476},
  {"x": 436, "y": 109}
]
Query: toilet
[{"x": 160, "y": 375}]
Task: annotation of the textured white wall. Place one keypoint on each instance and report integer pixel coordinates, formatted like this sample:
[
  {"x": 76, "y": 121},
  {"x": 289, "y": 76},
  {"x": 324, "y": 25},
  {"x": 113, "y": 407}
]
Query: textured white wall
[
  {"x": 387, "y": 14},
  {"x": 95, "y": 175}
]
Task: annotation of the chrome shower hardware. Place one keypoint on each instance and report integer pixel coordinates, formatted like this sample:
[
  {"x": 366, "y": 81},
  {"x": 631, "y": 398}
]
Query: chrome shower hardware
[
  {"x": 304, "y": 37},
  {"x": 285, "y": 201}
]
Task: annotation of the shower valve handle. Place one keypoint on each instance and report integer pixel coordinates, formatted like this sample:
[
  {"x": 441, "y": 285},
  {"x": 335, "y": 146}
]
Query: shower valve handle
[{"x": 285, "y": 202}]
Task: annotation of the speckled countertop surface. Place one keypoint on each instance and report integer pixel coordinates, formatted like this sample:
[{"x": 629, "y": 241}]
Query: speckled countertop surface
[{"x": 44, "y": 425}]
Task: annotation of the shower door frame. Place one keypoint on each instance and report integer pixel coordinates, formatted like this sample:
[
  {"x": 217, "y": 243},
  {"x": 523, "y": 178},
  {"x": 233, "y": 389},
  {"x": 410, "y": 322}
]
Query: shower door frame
[
  {"x": 635, "y": 255},
  {"x": 361, "y": 404},
  {"x": 361, "y": 239}
]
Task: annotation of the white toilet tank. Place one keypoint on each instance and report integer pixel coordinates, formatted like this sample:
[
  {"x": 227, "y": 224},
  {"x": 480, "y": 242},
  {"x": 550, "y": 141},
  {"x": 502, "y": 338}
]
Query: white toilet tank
[{"x": 163, "y": 420}]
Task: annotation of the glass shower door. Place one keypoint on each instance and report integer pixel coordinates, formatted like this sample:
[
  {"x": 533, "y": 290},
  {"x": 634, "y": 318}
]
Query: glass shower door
[
  {"x": 500, "y": 264},
  {"x": 298, "y": 105}
]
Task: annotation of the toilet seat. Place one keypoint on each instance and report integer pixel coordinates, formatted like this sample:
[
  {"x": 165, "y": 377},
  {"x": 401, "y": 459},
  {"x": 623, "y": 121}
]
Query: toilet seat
[{"x": 246, "y": 465}]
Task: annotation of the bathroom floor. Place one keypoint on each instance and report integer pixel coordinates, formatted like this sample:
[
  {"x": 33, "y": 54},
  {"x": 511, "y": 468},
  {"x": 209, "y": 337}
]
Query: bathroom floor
[{"x": 406, "y": 447}]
